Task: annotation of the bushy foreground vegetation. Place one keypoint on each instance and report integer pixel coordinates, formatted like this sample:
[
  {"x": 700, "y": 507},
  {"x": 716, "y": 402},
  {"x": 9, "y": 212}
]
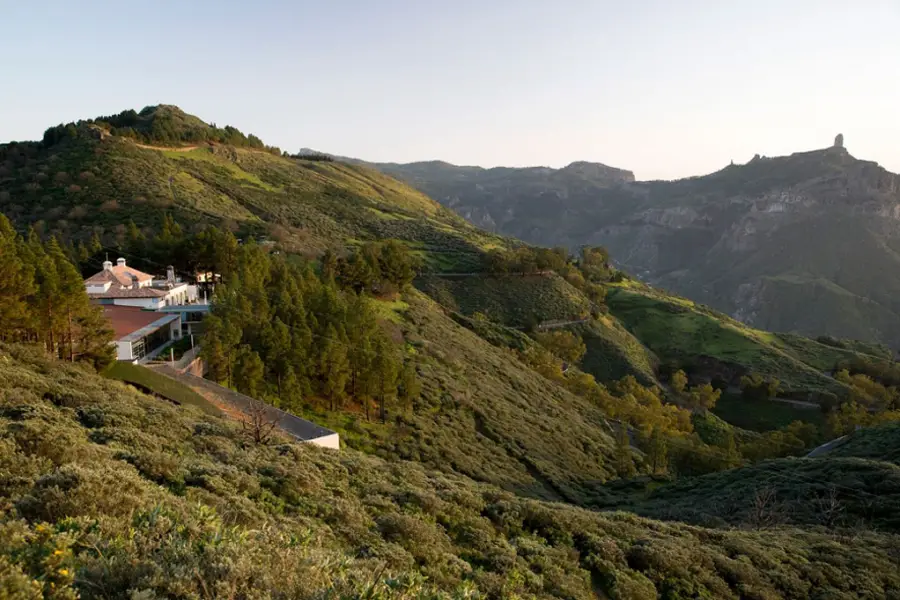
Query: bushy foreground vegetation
[
  {"x": 107, "y": 493},
  {"x": 850, "y": 494}
]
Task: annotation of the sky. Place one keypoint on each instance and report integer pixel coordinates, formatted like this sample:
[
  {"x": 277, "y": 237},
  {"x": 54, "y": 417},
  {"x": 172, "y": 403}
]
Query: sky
[{"x": 664, "y": 88}]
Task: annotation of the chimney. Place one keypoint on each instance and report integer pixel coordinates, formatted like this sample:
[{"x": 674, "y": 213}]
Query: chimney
[
  {"x": 120, "y": 262},
  {"x": 170, "y": 274},
  {"x": 107, "y": 265},
  {"x": 135, "y": 284}
]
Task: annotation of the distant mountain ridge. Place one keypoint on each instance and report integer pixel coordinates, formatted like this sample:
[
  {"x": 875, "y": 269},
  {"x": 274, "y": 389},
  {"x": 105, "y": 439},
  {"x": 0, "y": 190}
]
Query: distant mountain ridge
[{"x": 808, "y": 242}]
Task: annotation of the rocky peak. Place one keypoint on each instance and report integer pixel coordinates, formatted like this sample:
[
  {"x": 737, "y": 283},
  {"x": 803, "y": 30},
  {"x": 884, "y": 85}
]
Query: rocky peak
[{"x": 598, "y": 172}]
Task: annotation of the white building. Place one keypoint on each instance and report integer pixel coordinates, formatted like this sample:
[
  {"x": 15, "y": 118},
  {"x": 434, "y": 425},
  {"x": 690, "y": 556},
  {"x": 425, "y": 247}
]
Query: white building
[
  {"x": 122, "y": 285},
  {"x": 141, "y": 334}
]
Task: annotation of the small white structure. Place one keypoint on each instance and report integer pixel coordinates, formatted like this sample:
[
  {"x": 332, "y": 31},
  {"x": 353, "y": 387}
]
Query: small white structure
[
  {"x": 122, "y": 285},
  {"x": 332, "y": 440}
]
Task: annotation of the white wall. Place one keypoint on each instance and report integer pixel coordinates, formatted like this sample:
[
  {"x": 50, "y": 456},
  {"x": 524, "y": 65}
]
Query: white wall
[
  {"x": 175, "y": 329},
  {"x": 332, "y": 441},
  {"x": 97, "y": 288},
  {"x": 123, "y": 351},
  {"x": 151, "y": 303}
]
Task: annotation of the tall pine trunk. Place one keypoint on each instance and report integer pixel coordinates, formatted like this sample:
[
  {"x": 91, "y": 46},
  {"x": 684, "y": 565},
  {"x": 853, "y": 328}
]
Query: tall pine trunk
[
  {"x": 71, "y": 336},
  {"x": 51, "y": 348}
]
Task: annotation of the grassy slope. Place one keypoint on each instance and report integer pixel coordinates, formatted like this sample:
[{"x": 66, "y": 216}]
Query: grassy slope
[
  {"x": 141, "y": 497},
  {"x": 612, "y": 352},
  {"x": 876, "y": 443},
  {"x": 84, "y": 184},
  {"x": 152, "y": 381},
  {"x": 511, "y": 300},
  {"x": 866, "y": 492},
  {"x": 485, "y": 414},
  {"x": 681, "y": 331},
  {"x": 764, "y": 415}
]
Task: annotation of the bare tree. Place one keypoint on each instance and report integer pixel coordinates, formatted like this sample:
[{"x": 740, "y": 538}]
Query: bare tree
[
  {"x": 259, "y": 421},
  {"x": 765, "y": 509},
  {"x": 828, "y": 507}
]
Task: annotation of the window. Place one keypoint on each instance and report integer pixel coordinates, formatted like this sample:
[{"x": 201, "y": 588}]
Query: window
[{"x": 150, "y": 342}]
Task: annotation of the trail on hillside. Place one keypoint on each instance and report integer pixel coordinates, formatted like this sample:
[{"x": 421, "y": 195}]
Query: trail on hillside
[{"x": 168, "y": 148}]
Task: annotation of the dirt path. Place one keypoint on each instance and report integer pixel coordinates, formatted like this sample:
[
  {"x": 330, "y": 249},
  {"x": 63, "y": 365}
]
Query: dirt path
[
  {"x": 798, "y": 403},
  {"x": 168, "y": 148},
  {"x": 451, "y": 275}
]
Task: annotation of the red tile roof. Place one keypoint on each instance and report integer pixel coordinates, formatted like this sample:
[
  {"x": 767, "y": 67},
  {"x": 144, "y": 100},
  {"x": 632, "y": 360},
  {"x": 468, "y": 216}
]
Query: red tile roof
[
  {"x": 128, "y": 319},
  {"x": 144, "y": 292},
  {"x": 122, "y": 275}
]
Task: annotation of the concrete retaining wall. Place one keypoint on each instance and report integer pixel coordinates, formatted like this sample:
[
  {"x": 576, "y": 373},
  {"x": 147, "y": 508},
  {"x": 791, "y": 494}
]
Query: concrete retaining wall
[{"x": 301, "y": 429}]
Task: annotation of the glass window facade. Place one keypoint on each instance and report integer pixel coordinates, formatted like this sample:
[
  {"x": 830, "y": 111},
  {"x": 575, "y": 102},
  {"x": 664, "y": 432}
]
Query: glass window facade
[{"x": 150, "y": 342}]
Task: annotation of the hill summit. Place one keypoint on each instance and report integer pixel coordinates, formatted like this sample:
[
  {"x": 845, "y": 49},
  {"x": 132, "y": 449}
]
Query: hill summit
[{"x": 94, "y": 176}]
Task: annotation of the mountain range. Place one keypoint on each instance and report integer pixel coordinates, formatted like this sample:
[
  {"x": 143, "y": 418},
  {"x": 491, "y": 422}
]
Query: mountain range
[{"x": 806, "y": 243}]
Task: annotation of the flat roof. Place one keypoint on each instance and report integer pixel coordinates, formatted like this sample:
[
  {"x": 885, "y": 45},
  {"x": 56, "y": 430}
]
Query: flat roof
[
  {"x": 131, "y": 323},
  {"x": 144, "y": 292},
  {"x": 180, "y": 308}
]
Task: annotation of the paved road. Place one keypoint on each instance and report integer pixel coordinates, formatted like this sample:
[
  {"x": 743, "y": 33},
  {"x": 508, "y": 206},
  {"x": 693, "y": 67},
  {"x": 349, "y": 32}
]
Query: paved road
[
  {"x": 827, "y": 447},
  {"x": 301, "y": 429}
]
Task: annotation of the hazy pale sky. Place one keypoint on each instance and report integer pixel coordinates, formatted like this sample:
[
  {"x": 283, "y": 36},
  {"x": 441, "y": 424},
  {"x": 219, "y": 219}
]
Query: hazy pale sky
[{"x": 665, "y": 88}]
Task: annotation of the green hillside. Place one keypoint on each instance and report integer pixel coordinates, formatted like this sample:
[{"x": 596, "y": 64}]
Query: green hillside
[
  {"x": 829, "y": 491},
  {"x": 108, "y": 493},
  {"x": 485, "y": 414},
  {"x": 94, "y": 180},
  {"x": 613, "y": 352},
  {"x": 512, "y": 300},
  {"x": 696, "y": 338},
  {"x": 880, "y": 443}
]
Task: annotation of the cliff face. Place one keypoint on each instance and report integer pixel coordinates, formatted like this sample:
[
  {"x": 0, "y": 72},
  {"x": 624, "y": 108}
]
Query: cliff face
[{"x": 807, "y": 242}]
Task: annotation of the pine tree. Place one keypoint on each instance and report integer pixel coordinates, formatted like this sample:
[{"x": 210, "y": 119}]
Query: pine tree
[
  {"x": 398, "y": 265},
  {"x": 220, "y": 337},
  {"x": 385, "y": 371},
  {"x": 82, "y": 254},
  {"x": 46, "y": 298},
  {"x": 624, "y": 460},
  {"x": 732, "y": 455},
  {"x": 249, "y": 372},
  {"x": 409, "y": 387},
  {"x": 95, "y": 246},
  {"x": 657, "y": 452},
  {"x": 16, "y": 284},
  {"x": 334, "y": 367},
  {"x": 135, "y": 240},
  {"x": 330, "y": 265},
  {"x": 72, "y": 302}
]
